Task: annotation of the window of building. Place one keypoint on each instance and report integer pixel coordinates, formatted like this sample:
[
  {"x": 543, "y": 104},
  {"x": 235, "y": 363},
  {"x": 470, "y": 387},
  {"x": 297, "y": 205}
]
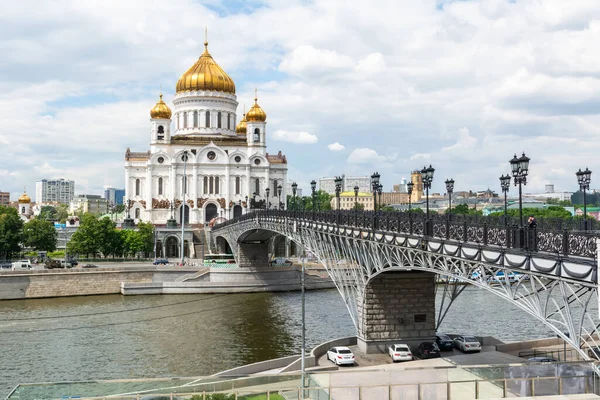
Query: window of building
[
  {"x": 185, "y": 120},
  {"x": 160, "y": 186},
  {"x": 138, "y": 188},
  {"x": 137, "y": 212},
  {"x": 211, "y": 185},
  {"x": 205, "y": 185},
  {"x": 161, "y": 132},
  {"x": 228, "y": 121},
  {"x": 256, "y": 135},
  {"x": 184, "y": 184},
  {"x": 219, "y": 119},
  {"x": 217, "y": 185},
  {"x": 237, "y": 184},
  {"x": 177, "y": 120},
  {"x": 420, "y": 317},
  {"x": 195, "y": 119},
  {"x": 257, "y": 186},
  {"x": 208, "y": 119}
]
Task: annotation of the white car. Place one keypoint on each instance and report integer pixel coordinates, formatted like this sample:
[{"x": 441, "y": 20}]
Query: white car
[
  {"x": 340, "y": 355},
  {"x": 467, "y": 343},
  {"x": 400, "y": 352},
  {"x": 21, "y": 264}
]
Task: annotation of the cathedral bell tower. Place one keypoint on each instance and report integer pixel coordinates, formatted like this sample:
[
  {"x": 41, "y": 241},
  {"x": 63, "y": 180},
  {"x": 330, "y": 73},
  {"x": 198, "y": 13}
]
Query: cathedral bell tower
[
  {"x": 256, "y": 125},
  {"x": 160, "y": 117}
]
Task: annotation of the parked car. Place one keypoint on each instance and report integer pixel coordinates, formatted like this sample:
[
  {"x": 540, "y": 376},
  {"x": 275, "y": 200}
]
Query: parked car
[
  {"x": 428, "y": 350},
  {"x": 52, "y": 264},
  {"x": 6, "y": 266},
  {"x": 89, "y": 266},
  {"x": 400, "y": 352},
  {"x": 467, "y": 343},
  {"x": 444, "y": 342},
  {"x": 69, "y": 263},
  {"x": 160, "y": 261},
  {"x": 340, "y": 355},
  {"x": 542, "y": 360},
  {"x": 22, "y": 264}
]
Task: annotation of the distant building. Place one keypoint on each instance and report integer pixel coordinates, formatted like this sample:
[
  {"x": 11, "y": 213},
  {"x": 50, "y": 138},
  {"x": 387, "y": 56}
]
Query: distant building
[
  {"x": 289, "y": 189},
  {"x": 401, "y": 187},
  {"x": 393, "y": 198},
  {"x": 348, "y": 200},
  {"x": 54, "y": 190},
  {"x": 417, "y": 180},
  {"x": 549, "y": 193},
  {"x": 348, "y": 184},
  {"x": 114, "y": 196},
  {"x": 4, "y": 198},
  {"x": 91, "y": 203}
]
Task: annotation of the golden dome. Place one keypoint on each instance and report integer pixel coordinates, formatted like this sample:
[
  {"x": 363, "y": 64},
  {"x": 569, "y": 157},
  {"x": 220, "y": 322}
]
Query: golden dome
[
  {"x": 205, "y": 74},
  {"x": 240, "y": 129},
  {"x": 161, "y": 110},
  {"x": 256, "y": 113},
  {"x": 24, "y": 199}
]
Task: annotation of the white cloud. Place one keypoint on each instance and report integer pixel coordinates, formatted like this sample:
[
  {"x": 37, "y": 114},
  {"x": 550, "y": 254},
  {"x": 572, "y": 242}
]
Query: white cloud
[
  {"x": 336, "y": 146},
  {"x": 306, "y": 59},
  {"x": 365, "y": 156},
  {"x": 420, "y": 156},
  {"x": 295, "y": 137},
  {"x": 465, "y": 142}
]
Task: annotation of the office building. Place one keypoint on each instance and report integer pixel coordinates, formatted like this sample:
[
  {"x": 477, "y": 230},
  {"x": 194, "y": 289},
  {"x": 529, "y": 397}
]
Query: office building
[
  {"x": 114, "y": 196},
  {"x": 348, "y": 184},
  {"x": 54, "y": 190}
]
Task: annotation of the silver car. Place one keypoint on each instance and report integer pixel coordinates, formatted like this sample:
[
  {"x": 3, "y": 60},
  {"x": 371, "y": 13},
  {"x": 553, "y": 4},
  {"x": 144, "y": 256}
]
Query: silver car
[{"x": 467, "y": 344}]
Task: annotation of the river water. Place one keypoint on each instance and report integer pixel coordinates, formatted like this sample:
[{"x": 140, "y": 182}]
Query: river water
[{"x": 46, "y": 340}]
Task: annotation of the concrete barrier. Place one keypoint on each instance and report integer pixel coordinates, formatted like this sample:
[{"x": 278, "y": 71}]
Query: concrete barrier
[
  {"x": 258, "y": 367},
  {"x": 311, "y": 360}
]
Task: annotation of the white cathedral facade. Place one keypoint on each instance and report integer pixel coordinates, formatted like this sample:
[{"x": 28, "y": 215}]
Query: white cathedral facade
[{"x": 201, "y": 164}]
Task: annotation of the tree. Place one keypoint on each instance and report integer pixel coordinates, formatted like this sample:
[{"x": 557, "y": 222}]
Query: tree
[
  {"x": 86, "y": 239},
  {"x": 47, "y": 213},
  {"x": 11, "y": 231},
  {"x": 119, "y": 208},
  {"x": 322, "y": 201},
  {"x": 146, "y": 232},
  {"x": 108, "y": 237},
  {"x": 62, "y": 212},
  {"x": 132, "y": 242},
  {"x": 358, "y": 207},
  {"x": 40, "y": 235}
]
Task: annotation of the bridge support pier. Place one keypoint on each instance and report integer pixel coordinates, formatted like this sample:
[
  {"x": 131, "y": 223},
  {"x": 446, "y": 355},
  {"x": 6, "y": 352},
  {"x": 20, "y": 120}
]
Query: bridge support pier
[
  {"x": 253, "y": 254},
  {"x": 398, "y": 307}
]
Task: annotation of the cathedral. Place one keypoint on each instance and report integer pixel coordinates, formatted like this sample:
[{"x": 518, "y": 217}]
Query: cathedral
[{"x": 202, "y": 163}]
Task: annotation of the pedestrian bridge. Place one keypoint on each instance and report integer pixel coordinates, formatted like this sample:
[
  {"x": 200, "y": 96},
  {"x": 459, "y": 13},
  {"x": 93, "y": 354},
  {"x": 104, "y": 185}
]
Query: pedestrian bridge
[{"x": 388, "y": 266}]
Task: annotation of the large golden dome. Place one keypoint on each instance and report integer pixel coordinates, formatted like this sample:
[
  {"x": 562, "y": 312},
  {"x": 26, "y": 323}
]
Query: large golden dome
[
  {"x": 24, "y": 199},
  {"x": 256, "y": 113},
  {"x": 160, "y": 110},
  {"x": 240, "y": 129},
  {"x": 205, "y": 74}
]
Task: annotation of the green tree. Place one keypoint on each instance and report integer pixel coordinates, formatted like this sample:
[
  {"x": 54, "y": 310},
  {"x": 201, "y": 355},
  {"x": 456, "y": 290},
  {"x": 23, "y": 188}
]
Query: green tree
[
  {"x": 86, "y": 239},
  {"x": 108, "y": 237},
  {"x": 40, "y": 235},
  {"x": 358, "y": 206},
  {"x": 47, "y": 213},
  {"x": 11, "y": 231},
  {"x": 62, "y": 212},
  {"x": 146, "y": 232},
  {"x": 132, "y": 242},
  {"x": 119, "y": 208}
]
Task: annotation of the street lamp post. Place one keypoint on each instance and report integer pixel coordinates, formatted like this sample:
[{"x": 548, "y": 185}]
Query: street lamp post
[
  {"x": 379, "y": 190},
  {"x": 427, "y": 177},
  {"x": 520, "y": 168},
  {"x": 374, "y": 187},
  {"x": 338, "y": 189},
  {"x": 267, "y": 191},
  {"x": 246, "y": 204},
  {"x": 356, "y": 188},
  {"x": 409, "y": 189},
  {"x": 584, "y": 178},
  {"x": 449, "y": 190},
  {"x": 279, "y": 195},
  {"x": 184, "y": 157},
  {"x": 294, "y": 189},
  {"x": 313, "y": 188},
  {"x": 505, "y": 185}
]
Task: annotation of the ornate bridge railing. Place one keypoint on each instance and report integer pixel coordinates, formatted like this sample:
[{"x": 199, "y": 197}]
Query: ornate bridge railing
[{"x": 556, "y": 236}]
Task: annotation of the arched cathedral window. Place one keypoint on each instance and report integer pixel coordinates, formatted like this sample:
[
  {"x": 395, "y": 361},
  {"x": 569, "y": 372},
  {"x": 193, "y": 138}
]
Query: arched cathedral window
[
  {"x": 160, "y": 186},
  {"x": 274, "y": 187},
  {"x": 138, "y": 185},
  {"x": 217, "y": 185},
  {"x": 137, "y": 213},
  {"x": 208, "y": 119},
  {"x": 211, "y": 186},
  {"x": 205, "y": 185},
  {"x": 195, "y": 119},
  {"x": 219, "y": 119},
  {"x": 228, "y": 121},
  {"x": 185, "y": 121},
  {"x": 237, "y": 185},
  {"x": 256, "y": 135},
  {"x": 257, "y": 186}
]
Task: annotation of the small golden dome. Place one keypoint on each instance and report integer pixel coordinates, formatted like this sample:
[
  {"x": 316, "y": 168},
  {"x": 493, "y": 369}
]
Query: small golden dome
[
  {"x": 256, "y": 113},
  {"x": 205, "y": 74},
  {"x": 161, "y": 110},
  {"x": 240, "y": 129},
  {"x": 24, "y": 199}
]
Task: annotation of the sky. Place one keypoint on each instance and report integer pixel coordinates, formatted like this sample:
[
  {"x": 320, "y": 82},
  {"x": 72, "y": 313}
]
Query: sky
[{"x": 349, "y": 87}]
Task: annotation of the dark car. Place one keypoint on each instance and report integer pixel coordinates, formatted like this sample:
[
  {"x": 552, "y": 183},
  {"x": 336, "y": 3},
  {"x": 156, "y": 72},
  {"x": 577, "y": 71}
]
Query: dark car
[
  {"x": 160, "y": 261},
  {"x": 428, "y": 350},
  {"x": 444, "y": 342},
  {"x": 89, "y": 266}
]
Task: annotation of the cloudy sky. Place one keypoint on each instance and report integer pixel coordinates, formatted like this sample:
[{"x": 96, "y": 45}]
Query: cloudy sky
[{"x": 349, "y": 86}]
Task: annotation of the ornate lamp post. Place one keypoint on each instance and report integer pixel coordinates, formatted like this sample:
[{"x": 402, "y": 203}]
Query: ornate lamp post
[
  {"x": 294, "y": 189},
  {"x": 449, "y": 190},
  {"x": 356, "y": 188},
  {"x": 505, "y": 185},
  {"x": 379, "y": 190},
  {"x": 267, "y": 191},
  {"x": 313, "y": 188},
  {"x": 338, "y": 189},
  {"x": 374, "y": 187},
  {"x": 279, "y": 194},
  {"x": 184, "y": 157},
  {"x": 409, "y": 189},
  {"x": 427, "y": 177},
  {"x": 246, "y": 204},
  {"x": 584, "y": 178},
  {"x": 254, "y": 200},
  {"x": 520, "y": 169}
]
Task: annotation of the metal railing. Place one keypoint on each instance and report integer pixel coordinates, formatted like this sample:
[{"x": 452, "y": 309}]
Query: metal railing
[{"x": 558, "y": 236}]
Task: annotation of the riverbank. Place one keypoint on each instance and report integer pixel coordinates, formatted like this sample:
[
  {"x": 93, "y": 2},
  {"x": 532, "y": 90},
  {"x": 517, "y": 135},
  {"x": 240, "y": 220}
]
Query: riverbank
[{"x": 137, "y": 280}]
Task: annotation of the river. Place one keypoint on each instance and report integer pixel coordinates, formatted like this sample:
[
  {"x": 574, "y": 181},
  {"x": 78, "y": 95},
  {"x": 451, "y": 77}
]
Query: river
[{"x": 45, "y": 340}]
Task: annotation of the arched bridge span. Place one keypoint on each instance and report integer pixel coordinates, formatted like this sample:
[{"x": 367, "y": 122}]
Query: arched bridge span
[{"x": 378, "y": 263}]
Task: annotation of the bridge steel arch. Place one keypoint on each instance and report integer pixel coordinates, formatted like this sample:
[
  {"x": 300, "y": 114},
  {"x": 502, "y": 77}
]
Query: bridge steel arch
[{"x": 561, "y": 292}]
